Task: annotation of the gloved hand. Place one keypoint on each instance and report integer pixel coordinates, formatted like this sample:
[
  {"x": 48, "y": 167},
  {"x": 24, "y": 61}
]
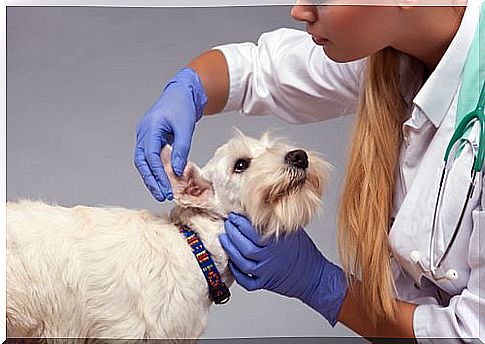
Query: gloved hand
[
  {"x": 170, "y": 120},
  {"x": 290, "y": 266}
]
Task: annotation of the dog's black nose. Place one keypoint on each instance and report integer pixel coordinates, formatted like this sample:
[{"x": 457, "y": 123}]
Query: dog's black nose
[{"x": 297, "y": 158}]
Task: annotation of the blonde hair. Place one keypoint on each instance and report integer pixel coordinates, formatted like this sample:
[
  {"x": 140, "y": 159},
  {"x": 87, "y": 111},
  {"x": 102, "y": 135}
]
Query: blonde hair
[
  {"x": 367, "y": 198},
  {"x": 369, "y": 184}
]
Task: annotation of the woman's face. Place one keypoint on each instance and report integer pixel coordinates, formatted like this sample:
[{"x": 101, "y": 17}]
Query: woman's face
[{"x": 348, "y": 33}]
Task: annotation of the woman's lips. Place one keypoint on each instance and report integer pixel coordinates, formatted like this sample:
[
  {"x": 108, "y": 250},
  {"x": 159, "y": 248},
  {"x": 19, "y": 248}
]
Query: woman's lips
[{"x": 320, "y": 40}]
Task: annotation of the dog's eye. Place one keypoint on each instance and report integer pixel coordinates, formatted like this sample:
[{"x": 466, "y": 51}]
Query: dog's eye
[{"x": 241, "y": 165}]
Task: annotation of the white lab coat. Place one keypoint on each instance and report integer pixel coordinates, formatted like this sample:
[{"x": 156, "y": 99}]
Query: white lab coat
[{"x": 287, "y": 75}]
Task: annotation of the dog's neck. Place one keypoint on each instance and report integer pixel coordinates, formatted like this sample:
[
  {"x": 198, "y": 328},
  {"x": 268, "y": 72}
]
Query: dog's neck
[{"x": 208, "y": 225}]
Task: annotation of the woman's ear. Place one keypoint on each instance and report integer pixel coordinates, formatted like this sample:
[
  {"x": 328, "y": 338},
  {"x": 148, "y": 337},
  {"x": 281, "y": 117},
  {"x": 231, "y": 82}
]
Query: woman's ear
[{"x": 191, "y": 189}]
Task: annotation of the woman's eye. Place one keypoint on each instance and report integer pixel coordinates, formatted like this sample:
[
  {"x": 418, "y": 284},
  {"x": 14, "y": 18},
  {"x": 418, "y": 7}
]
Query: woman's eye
[{"x": 241, "y": 165}]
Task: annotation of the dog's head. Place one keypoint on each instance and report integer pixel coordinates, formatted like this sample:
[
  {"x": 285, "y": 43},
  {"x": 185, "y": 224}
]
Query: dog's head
[{"x": 277, "y": 185}]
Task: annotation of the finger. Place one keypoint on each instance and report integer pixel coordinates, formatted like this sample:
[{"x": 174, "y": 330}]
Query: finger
[
  {"x": 245, "y": 246},
  {"x": 156, "y": 166},
  {"x": 244, "y": 264},
  {"x": 145, "y": 172},
  {"x": 181, "y": 147},
  {"x": 249, "y": 283},
  {"x": 246, "y": 228}
]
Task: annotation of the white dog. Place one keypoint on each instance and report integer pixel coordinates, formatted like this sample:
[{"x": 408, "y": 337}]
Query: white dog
[{"x": 101, "y": 272}]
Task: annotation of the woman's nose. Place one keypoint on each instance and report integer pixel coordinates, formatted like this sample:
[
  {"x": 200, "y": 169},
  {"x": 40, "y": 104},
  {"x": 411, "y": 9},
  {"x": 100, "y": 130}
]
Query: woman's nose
[{"x": 301, "y": 11}]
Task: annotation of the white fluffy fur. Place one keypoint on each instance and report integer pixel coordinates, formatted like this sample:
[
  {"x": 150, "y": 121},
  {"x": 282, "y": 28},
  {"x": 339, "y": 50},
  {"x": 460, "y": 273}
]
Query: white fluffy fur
[{"x": 121, "y": 273}]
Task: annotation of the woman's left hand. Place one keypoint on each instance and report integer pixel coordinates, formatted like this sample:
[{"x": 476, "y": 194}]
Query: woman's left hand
[{"x": 290, "y": 266}]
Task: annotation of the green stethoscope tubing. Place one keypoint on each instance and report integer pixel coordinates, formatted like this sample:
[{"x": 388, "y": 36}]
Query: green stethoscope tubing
[
  {"x": 465, "y": 124},
  {"x": 473, "y": 76}
]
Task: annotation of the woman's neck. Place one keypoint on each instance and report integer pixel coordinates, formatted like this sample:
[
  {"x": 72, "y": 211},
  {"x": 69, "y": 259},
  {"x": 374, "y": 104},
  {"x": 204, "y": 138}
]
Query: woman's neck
[{"x": 430, "y": 33}]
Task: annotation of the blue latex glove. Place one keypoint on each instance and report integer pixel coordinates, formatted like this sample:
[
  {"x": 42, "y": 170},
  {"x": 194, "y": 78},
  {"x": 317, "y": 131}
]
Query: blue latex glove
[
  {"x": 290, "y": 266},
  {"x": 170, "y": 120}
]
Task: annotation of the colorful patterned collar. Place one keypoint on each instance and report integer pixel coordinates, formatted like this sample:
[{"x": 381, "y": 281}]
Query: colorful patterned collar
[{"x": 218, "y": 291}]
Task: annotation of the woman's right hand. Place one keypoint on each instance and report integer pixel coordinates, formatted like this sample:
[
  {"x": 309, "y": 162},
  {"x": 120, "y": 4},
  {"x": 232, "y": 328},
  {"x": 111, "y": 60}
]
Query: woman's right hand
[{"x": 171, "y": 120}]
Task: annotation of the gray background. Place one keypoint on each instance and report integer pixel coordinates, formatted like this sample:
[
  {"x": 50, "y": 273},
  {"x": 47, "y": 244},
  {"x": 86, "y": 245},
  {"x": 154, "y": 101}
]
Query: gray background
[{"x": 78, "y": 81}]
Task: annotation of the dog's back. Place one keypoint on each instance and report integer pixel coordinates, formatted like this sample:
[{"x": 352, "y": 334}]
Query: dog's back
[{"x": 99, "y": 272}]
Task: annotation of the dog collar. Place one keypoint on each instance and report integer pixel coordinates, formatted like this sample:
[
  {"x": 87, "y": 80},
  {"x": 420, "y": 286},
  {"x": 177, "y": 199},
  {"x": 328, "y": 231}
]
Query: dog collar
[{"x": 218, "y": 291}]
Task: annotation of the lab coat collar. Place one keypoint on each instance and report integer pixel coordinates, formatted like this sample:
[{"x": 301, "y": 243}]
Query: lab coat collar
[{"x": 438, "y": 92}]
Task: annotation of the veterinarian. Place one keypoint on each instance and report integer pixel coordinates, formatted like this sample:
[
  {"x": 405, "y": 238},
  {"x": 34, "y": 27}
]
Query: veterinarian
[{"x": 401, "y": 69}]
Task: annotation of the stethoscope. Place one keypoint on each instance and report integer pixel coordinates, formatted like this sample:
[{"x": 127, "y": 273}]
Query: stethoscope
[
  {"x": 464, "y": 125},
  {"x": 455, "y": 146}
]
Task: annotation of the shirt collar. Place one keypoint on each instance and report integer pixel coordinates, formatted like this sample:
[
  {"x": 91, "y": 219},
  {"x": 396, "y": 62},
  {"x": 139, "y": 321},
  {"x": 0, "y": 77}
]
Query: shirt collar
[{"x": 438, "y": 92}]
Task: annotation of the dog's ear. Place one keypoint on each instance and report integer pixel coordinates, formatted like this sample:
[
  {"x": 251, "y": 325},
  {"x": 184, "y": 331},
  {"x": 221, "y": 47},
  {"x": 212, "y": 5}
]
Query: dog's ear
[
  {"x": 237, "y": 133},
  {"x": 266, "y": 136},
  {"x": 191, "y": 189}
]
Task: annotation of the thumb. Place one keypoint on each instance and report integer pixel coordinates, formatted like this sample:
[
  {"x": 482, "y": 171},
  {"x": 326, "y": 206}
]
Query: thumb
[{"x": 181, "y": 146}]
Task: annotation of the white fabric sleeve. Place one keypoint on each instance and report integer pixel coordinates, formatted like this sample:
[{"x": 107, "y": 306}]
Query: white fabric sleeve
[
  {"x": 287, "y": 75},
  {"x": 463, "y": 320}
]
